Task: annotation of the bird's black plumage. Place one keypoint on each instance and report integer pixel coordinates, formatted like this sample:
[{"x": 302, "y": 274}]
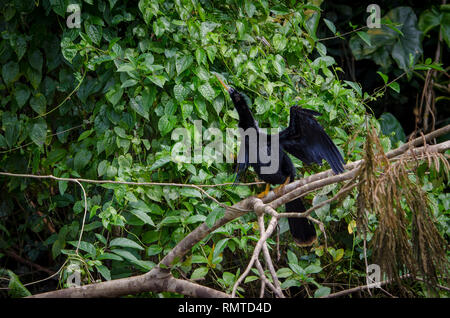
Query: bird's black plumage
[{"x": 304, "y": 138}]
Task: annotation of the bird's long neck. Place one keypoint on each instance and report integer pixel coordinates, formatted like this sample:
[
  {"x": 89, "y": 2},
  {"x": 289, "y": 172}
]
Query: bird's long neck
[{"x": 246, "y": 119}]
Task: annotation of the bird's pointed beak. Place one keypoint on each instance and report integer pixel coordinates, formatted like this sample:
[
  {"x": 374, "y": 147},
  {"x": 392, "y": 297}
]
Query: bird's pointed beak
[{"x": 223, "y": 84}]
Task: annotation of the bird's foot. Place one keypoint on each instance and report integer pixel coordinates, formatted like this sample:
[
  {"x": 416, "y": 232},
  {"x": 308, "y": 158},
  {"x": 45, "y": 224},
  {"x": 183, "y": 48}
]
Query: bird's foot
[
  {"x": 265, "y": 192},
  {"x": 280, "y": 188}
]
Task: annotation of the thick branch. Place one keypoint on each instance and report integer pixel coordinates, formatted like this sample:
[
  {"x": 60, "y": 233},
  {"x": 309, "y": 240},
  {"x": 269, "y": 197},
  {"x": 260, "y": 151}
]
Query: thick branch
[{"x": 156, "y": 281}]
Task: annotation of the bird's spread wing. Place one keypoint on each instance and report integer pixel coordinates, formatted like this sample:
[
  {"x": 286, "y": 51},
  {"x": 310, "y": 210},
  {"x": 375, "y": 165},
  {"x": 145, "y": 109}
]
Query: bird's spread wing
[{"x": 308, "y": 141}]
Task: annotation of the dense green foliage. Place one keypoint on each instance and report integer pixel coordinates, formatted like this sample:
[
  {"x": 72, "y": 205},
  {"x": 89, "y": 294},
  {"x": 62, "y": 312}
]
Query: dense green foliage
[{"x": 101, "y": 102}]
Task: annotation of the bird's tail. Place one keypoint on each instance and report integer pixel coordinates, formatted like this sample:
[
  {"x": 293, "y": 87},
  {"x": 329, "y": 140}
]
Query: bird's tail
[{"x": 302, "y": 229}]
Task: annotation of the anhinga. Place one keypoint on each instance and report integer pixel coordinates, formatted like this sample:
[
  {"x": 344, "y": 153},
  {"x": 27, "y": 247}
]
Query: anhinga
[{"x": 304, "y": 138}]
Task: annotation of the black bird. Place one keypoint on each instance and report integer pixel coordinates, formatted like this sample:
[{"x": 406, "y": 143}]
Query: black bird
[{"x": 304, "y": 138}]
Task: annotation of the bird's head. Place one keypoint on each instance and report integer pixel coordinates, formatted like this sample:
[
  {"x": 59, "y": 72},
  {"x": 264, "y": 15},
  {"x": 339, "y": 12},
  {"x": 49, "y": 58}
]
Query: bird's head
[
  {"x": 241, "y": 104},
  {"x": 236, "y": 97}
]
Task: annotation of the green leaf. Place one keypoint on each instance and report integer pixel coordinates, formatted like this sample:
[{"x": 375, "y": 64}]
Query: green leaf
[
  {"x": 220, "y": 246},
  {"x": 128, "y": 83},
  {"x": 384, "y": 77},
  {"x": 279, "y": 9},
  {"x": 38, "y": 133},
  {"x": 158, "y": 80},
  {"x": 337, "y": 254},
  {"x": 15, "y": 287},
  {"x": 166, "y": 124},
  {"x": 22, "y": 94},
  {"x": 126, "y": 67},
  {"x": 19, "y": 44},
  {"x": 262, "y": 105},
  {"x": 213, "y": 216},
  {"x": 3, "y": 143},
  {"x": 313, "y": 269},
  {"x": 62, "y": 186},
  {"x": 81, "y": 159},
  {"x": 211, "y": 51},
  {"x": 391, "y": 127},
  {"x": 364, "y": 36},
  {"x": 183, "y": 62},
  {"x": 173, "y": 219},
  {"x": 200, "y": 57},
  {"x": 9, "y": 13},
  {"x": 34, "y": 77},
  {"x": 69, "y": 50},
  {"x": 36, "y": 60},
  {"x": 207, "y": 91},
  {"x": 292, "y": 258},
  {"x": 12, "y": 128},
  {"x": 200, "y": 105},
  {"x": 143, "y": 216},
  {"x": 284, "y": 272},
  {"x": 39, "y": 103},
  {"x": 125, "y": 254},
  {"x": 311, "y": 24},
  {"x": 138, "y": 105},
  {"x": 195, "y": 219},
  {"x": 279, "y": 42},
  {"x": 154, "y": 250},
  {"x": 218, "y": 103},
  {"x": 322, "y": 291},
  {"x": 186, "y": 109},
  {"x": 250, "y": 8},
  {"x": 95, "y": 33},
  {"x": 120, "y": 132},
  {"x": 85, "y": 246},
  {"x": 190, "y": 192},
  {"x": 10, "y": 72},
  {"x": 199, "y": 273},
  {"x": 124, "y": 242},
  {"x": 59, "y": 6},
  {"x": 330, "y": 25},
  {"x": 395, "y": 86},
  {"x": 85, "y": 134},
  {"x": 109, "y": 256},
  {"x": 290, "y": 283},
  {"x": 104, "y": 271},
  {"x": 279, "y": 65},
  {"x": 321, "y": 49},
  {"x": 355, "y": 86},
  {"x": 114, "y": 95},
  {"x": 240, "y": 27},
  {"x": 403, "y": 45},
  {"x": 428, "y": 20},
  {"x": 323, "y": 211},
  {"x": 445, "y": 27},
  {"x": 251, "y": 278},
  {"x": 180, "y": 92},
  {"x": 160, "y": 162}
]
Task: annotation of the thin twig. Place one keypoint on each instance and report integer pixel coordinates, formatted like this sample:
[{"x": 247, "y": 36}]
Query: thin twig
[
  {"x": 197, "y": 187},
  {"x": 265, "y": 281},
  {"x": 363, "y": 287},
  {"x": 268, "y": 259}
]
